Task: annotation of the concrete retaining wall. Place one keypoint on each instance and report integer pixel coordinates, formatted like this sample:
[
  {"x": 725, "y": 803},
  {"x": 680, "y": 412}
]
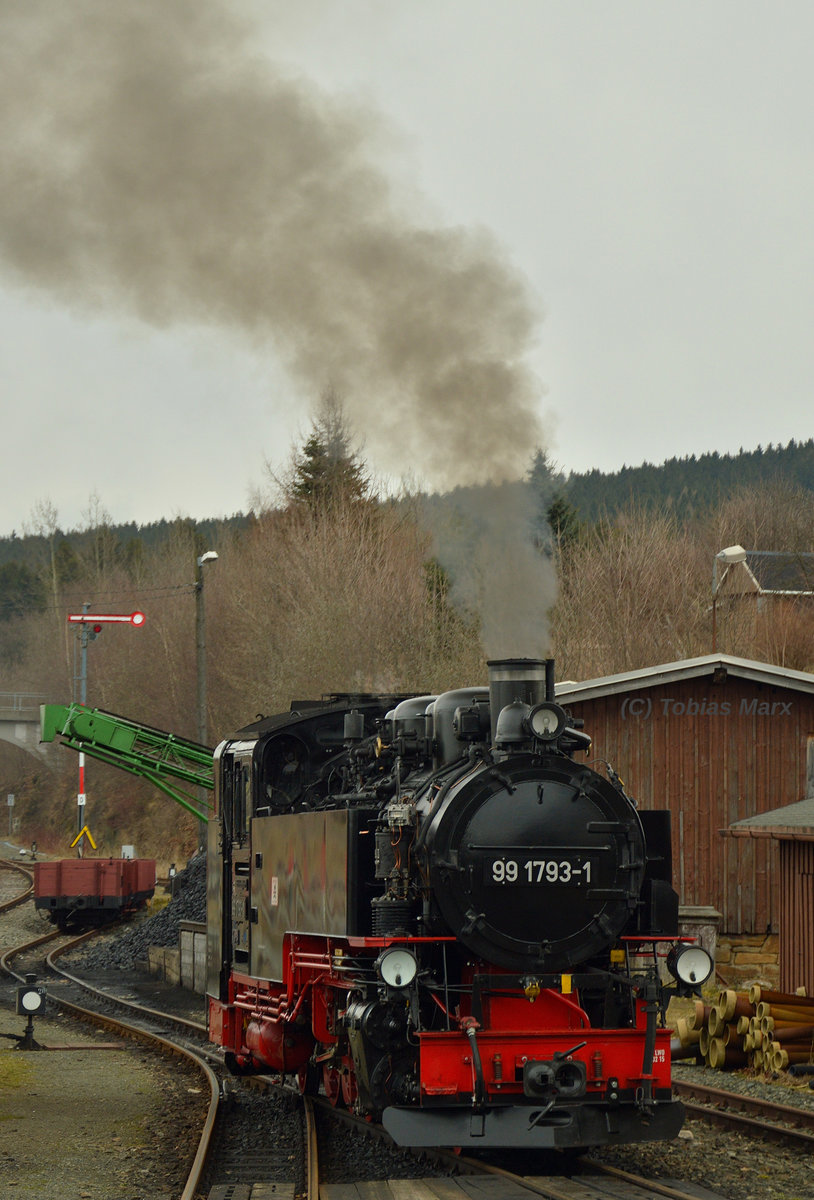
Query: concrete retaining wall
[
  {"x": 165, "y": 962},
  {"x": 193, "y": 956},
  {"x": 184, "y": 964}
]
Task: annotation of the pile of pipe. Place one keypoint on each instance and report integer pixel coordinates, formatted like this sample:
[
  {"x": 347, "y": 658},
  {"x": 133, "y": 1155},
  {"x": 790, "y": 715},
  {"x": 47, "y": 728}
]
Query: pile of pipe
[{"x": 762, "y": 1029}]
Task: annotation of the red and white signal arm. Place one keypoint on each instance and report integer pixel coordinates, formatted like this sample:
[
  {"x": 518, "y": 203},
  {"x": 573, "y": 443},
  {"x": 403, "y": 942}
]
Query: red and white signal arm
[{"x": 86, "y": 618}]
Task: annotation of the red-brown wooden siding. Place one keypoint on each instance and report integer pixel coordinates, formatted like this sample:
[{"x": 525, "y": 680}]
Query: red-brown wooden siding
[
  {"x": 710, "y": 768},
  {"x": 797, "y": 915}
]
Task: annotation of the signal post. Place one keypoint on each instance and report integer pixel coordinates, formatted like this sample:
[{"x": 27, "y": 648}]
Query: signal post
[{"x": 89, "y": 626}]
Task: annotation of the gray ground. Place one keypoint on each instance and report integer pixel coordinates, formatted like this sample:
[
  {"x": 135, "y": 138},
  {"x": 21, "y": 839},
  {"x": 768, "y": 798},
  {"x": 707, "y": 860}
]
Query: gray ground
[{"x": 86, "y": 1123}]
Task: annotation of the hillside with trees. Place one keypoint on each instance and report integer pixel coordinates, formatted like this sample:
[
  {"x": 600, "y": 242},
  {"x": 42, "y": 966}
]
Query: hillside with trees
[
  {"x": 689, "y": 486},
  {"x": 328, "y": 586}
]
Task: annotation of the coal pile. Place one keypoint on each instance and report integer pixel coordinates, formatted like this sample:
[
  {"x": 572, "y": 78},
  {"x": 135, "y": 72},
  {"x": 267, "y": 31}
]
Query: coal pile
[{"x": 127, "y": 949}]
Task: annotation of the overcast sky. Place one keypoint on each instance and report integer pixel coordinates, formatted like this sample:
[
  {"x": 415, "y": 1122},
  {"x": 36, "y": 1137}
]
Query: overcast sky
[{"x": 626, "y": 188}]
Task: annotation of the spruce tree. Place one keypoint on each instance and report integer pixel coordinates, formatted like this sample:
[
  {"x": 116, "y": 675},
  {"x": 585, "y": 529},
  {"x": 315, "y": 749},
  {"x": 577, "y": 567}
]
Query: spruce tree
[{"x": 327, "y": 470}]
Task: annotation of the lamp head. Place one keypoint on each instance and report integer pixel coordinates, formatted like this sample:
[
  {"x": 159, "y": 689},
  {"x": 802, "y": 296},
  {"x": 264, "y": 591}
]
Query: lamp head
[{"x": 731, "y": 554}]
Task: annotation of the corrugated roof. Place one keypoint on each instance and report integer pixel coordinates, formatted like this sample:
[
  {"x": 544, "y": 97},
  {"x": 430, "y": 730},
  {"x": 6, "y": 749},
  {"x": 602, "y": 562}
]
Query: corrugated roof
[{"x": 688, "y": 668}]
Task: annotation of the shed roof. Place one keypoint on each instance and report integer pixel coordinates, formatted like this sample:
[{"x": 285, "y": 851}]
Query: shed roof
[
  {"x": 792, "y": 820},
  {"x": 717, "y": 665}
]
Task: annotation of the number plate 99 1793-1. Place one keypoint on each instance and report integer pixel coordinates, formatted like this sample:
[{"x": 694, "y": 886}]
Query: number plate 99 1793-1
[{"x": 526, "y": 871}]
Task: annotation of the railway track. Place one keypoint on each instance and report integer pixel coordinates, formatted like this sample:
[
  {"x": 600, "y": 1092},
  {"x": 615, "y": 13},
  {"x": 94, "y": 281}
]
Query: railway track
[
  {"x": 12, "y": 890},
  {"x": 784, "y": 1124},
  {"x": 235, "y": 1157},
  {"x": 261, "y": 1139},
  {"x": 594, "y": 1181},
  {"x": 224, "y": 1163},
  {"x": 482, "y": 1178},
  {"x": 34, "y": 957},
  {"x": 233, "y": 1115}
]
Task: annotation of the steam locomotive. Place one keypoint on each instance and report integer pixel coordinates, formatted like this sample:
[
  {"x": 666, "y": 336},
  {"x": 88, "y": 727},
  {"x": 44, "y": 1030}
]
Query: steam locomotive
[{"x": 426, "y": 906}]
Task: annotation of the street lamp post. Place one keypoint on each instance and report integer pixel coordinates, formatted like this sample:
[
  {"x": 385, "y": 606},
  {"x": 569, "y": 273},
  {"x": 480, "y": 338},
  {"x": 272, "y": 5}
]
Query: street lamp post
[
  {"x": 728, "y": 556},
  {"x": 200, "y": 658}
]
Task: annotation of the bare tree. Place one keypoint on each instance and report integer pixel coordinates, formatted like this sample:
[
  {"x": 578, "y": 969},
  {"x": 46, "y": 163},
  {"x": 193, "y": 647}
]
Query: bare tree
[
  {"x": 638, "y": 590},
  {"x": 631, "y": 594}
]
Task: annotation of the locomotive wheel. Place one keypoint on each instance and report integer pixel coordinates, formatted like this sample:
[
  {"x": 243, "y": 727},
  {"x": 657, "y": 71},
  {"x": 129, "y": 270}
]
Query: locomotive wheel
[
  {"x": 349, "y": 1088},
  {"x": 332, "y": 1084}
]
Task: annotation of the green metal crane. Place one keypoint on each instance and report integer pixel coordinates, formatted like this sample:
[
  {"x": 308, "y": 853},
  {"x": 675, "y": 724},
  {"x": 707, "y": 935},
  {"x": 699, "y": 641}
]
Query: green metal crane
[{"x": 180, "y": 768}]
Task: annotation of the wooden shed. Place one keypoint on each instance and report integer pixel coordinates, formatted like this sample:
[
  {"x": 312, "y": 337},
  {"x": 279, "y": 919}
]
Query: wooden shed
[
  {"x": 715, "y": 740},
  {"x": 792, "y": 829}
]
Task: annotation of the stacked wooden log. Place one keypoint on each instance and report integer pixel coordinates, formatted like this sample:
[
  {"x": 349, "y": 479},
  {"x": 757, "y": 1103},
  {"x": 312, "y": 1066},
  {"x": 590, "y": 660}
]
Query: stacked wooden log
[{"x": 763, "y": 1029}]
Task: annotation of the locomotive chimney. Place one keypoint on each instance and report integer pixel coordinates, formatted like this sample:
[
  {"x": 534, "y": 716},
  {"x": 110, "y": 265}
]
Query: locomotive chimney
[{"x": 529, "y": 680}]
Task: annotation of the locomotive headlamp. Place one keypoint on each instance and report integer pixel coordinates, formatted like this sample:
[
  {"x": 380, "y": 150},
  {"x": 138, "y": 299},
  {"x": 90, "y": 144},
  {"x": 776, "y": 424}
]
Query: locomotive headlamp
[
  {"x": 397, "y": 967},
  {"x": 690, "y": 965},
  {"x": 546, "y": 721}
]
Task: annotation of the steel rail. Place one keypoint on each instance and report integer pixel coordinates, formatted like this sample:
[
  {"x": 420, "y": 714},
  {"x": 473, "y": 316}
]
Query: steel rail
[
  {"x": 146, "y": 1037},
  {"x": 549, "y": 1189},
  {"x": 152, "y": 1040},
  {"x": 311, "y": 1150},
  {"x": 24, "y": 948},
  {"x": 195, "y": 1027},
  {"x": 765, "y": 1127},
  {"x": 199, "y": 1162},
  {"x": 8, "y": 865},
  {"x": 722, "y": 1099},
  {"x": 535, "y": 1185},
  {"x": 648, "y": 1186}
]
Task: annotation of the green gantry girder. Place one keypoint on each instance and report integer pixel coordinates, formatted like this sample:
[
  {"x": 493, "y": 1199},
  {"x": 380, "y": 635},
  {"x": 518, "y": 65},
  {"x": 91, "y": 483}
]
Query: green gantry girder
[{"x": 178, "y": 767}]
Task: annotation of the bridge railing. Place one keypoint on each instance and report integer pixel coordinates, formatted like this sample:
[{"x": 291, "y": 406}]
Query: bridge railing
[{"x": 25, "y": 705}]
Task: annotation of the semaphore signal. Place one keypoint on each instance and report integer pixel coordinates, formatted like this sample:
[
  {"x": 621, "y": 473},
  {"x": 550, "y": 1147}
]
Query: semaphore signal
[
  {"x": 89, "y": 627},
  {"x": 86, "y": 618}
]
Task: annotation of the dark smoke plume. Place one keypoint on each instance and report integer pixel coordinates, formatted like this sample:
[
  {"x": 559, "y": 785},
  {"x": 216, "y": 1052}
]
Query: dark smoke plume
[{"x": 153, "y": 163}]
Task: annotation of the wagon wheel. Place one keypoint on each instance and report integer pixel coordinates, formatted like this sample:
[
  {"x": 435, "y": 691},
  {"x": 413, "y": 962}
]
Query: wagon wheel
[{"x": 332, "y": 1083}]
